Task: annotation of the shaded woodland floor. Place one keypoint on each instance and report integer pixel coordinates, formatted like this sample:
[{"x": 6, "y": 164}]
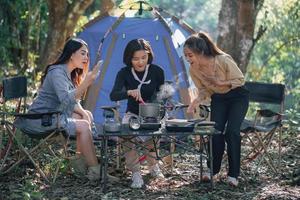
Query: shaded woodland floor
[{"x": 25, "y": 183}]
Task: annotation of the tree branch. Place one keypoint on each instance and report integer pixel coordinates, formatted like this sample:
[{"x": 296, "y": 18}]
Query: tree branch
[
  {"x": 261, "y": 30},
  {"x": 276, "y": 51}
]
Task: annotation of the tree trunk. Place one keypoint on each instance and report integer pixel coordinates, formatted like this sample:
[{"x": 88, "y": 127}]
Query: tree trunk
[
  {"x": 236, "y": 29},
  {"x": 63, "y": 16},
  {"x": 107, "y": 5}
]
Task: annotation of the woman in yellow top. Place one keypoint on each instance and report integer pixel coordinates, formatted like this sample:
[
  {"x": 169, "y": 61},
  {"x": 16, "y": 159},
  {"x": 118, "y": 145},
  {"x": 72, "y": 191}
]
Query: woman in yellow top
[{"x": 221, "y": 84}]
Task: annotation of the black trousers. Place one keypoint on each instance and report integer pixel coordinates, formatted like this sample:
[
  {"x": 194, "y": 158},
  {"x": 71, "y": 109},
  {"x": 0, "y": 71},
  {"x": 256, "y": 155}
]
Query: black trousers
[{"x": 229, "y": 110}]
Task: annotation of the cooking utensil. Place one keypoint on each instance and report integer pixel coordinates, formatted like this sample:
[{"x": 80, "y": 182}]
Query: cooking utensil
[{"x": 149, "y": 110}]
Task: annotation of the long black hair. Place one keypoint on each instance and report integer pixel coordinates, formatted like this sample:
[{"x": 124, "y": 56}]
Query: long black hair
[
  {"x": 137, "y": 45},
  {"x": 71, "y": 46},
  {"x": 201, "y": 43}
]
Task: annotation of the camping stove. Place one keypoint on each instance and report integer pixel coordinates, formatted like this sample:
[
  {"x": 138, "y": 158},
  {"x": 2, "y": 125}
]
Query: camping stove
[{"x": 144, "y": 123}]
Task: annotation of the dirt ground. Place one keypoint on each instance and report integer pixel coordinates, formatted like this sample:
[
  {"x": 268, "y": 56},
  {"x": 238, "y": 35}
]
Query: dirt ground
[{"x": 183, "y": 183}]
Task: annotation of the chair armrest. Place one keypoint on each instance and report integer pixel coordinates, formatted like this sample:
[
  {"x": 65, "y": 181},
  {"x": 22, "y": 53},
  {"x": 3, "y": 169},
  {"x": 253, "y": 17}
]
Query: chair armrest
[{"x": 268, "y": 113}]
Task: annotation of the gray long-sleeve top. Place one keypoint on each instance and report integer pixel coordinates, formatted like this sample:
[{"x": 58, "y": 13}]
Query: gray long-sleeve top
[{"x": 57, "y": 92}]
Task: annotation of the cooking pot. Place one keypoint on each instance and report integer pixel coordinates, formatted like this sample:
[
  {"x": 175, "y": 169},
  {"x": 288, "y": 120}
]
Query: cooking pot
[{"x": 154, "y": 110}]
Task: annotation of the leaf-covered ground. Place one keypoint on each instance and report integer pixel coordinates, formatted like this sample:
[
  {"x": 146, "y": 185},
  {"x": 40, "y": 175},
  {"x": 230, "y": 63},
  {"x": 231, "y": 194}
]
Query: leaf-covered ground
[{"x": 183, "y": 183}]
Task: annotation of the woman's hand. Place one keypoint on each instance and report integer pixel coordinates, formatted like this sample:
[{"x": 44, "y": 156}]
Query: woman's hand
[
  {"x": 136, "y": 94},
  {"x": 88, "y": 80},
  {"x": 192, "y": 106},
  {"x": 85, "y": 116},
  {"x": 93, "y": 74},
  {"x": 82, "y": 113}
]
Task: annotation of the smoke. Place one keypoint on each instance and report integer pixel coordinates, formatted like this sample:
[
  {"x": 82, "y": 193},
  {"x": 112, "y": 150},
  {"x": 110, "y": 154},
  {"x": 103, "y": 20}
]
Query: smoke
[
  {"x": 168, "y": 89},
  {"x": 165, "y": 91}
]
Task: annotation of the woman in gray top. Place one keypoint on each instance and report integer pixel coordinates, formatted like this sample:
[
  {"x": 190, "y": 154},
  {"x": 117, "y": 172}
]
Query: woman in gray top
[{"x": 63, "y": 83}]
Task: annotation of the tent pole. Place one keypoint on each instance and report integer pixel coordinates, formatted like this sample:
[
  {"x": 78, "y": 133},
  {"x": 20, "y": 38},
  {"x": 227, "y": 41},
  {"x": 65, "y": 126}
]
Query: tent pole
[
  {"x": 94, "y": 89},
  {"x": 88, "y": 101}
]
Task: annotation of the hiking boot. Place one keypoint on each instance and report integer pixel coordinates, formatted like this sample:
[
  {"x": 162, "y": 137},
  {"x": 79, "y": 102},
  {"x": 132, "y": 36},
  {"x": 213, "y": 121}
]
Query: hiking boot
[
  {"x": 156, "y": 172},
  {"x": 78, "y": 165},
  {"x": 137, "y": 180},
  {"x": 93, "y": 173},
  {"x": 232, "y": 181}
]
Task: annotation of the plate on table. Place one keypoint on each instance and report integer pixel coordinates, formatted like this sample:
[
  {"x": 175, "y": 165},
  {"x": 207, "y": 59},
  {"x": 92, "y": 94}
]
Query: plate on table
[
  {"x": 205, "y": 123},
  {"x": 179, "y": 125},
  {"x": 179, "y": 122}
]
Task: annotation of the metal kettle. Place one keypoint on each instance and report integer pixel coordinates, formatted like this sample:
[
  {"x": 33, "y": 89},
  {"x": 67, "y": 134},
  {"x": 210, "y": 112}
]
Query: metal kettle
[{"x": 111, "y": 120}]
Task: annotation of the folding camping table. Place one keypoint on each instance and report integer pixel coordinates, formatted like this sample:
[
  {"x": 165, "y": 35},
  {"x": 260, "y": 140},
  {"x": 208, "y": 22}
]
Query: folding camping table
[{"x": 171, "y": 136}]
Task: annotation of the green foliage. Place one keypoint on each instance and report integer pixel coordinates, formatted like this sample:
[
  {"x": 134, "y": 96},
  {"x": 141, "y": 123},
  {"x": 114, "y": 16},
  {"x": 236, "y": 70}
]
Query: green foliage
[
  {"x": 293, "y": 120},
  {"x": 30, "y": 190},
  {"x": 23, "y": 27},
  {"x": 201, "y": 14},
  {"x": 275, "y": 58}
]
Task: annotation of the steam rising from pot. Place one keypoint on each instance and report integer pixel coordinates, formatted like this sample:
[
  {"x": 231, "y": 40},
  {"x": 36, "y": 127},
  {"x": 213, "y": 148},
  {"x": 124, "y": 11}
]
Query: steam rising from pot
[{"x": 165, "y": 91}]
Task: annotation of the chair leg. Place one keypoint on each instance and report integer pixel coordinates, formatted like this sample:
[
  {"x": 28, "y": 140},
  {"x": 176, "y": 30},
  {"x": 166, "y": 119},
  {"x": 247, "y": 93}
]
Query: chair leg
[
  {"x": 32, "y": 160},
  {"x": 279, "y": 148},
  {"x": 256, "y": 147},
  {"x": 27, "y": 153},
  {"x": 5, "y": 147},
  {"x": 260, "y": 148},
  {"x": 5, "y": 156},
  {"x": 265, "y": 147}
]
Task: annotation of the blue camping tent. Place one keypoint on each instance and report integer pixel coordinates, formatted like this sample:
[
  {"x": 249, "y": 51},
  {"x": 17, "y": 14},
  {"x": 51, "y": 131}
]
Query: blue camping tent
[{"x": 107, "y": 37}]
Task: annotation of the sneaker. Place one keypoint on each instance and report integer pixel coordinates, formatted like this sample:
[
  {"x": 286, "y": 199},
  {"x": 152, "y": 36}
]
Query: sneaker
[
  {"x": 137, "y": 180},
  {"x": 156, "y": 172},
  {"x": 232, "y": 181}
]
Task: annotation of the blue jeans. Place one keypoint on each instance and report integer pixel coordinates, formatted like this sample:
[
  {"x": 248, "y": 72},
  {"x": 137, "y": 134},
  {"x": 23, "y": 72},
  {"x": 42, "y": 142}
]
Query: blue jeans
[{"x": 229, "y": 110}]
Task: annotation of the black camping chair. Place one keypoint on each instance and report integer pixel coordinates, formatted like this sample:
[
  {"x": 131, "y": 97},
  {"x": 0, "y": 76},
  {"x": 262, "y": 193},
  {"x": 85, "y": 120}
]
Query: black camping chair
[
  {"x": 260, "y": 131},
  {"x": 15, "y": 89},
  {"x": 6, "y": 140}
]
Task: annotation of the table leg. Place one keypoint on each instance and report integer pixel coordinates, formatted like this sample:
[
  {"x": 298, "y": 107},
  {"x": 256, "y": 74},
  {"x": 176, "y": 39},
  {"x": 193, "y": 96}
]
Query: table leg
[
  {"x": 211, "y": 161},
  {"x": 172, "y": 150},
  {"x": 201, "y": 156},
  {"x": 103, "y": 164},
  {"x": 102, "y": 160}
]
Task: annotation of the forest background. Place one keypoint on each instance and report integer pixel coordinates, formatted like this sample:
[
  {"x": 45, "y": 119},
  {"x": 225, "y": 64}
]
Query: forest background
[
  {"x": 33, "y": 30},
  {"x": 266, "y": 46}
]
